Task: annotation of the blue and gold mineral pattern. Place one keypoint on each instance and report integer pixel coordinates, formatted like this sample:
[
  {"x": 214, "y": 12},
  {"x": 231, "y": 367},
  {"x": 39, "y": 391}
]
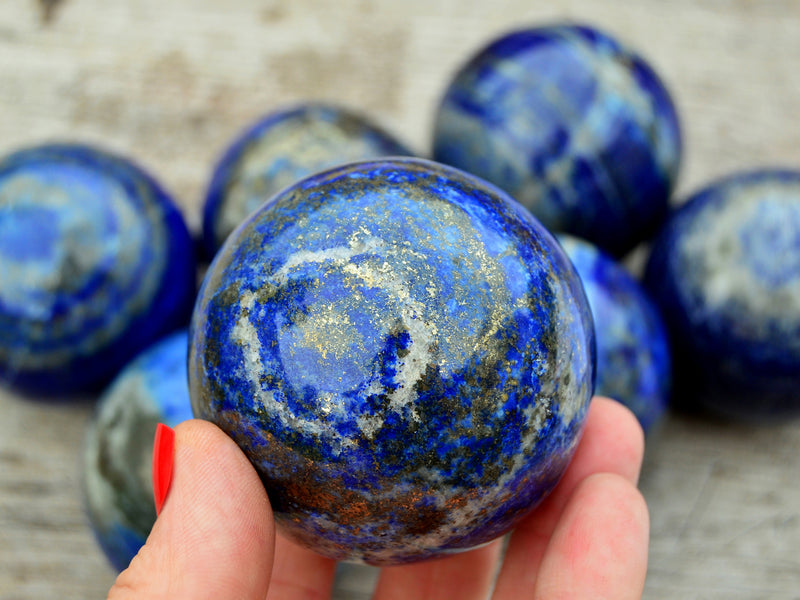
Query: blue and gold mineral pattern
[
  {"x": 404, "y": 354},
  {"x": 280, "y": 149},
  {"x": 118, "y": 450},
  {"x": 96, "y": 263},
  {"x": 633, "y": 356},
  {"x": 726, "y": 273},
  {"x": 575, "y": 126}
]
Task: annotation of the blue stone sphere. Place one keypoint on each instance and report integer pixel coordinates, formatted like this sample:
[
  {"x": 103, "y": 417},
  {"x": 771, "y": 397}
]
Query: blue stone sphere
[
  {"x": 633, "y": 356},
  {"x": 118, "y": 449},
  {"x": 404, "y": 354},
  {"x": 726, "y": 273},
  {"x": 96, "y": 264},
  {"x": 571, "y": 123},
  {"x": 280, "y": 149}
]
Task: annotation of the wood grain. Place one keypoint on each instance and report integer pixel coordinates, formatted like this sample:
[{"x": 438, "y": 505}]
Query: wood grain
[{"x": 170, "y": 83}]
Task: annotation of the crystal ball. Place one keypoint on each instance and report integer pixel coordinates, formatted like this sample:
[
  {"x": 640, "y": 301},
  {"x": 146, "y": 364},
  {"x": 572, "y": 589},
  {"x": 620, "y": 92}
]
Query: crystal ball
[
  {"x": 118, "y": 448},
  {"x": 573, "y": 124},
  {"x": 280, "y": 149},
  {"x": 726, "y": 273},
  {"x": 633, "y": 357},
  {"x": 403, "y": 352},
  {"x": 96, "y": 263}
]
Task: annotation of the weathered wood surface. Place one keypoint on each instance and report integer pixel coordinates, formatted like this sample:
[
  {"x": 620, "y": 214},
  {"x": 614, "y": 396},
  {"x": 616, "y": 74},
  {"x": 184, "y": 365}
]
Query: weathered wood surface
[{"x": 170, "y": 83}]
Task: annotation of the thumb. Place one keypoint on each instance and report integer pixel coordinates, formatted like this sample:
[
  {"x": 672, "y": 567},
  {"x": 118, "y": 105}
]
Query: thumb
[{"x": 215, "y": 535}]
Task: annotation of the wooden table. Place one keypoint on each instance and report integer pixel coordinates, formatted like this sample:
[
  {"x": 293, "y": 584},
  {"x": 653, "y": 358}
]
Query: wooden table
[{"x": 169, "y": 83}]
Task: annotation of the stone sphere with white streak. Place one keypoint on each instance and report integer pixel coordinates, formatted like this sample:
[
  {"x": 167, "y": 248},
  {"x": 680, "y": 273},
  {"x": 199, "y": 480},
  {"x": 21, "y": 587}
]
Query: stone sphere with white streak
[
  {"x": 403, "y": 352},
  {"x": 573, "y": 124},
  {"x": 726, "y": 273},
  {"x": 96, "y": 264}
]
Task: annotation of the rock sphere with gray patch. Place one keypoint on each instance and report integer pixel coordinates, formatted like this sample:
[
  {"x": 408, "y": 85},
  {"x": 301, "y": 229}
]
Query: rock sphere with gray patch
[
  {"x": 280, "y": 149},
  {"x": 118, "y": 451},
  {"x": 572, "y": 123},
  {"x": 402, "y": 351},
  {"x": 726, "y": 273}
]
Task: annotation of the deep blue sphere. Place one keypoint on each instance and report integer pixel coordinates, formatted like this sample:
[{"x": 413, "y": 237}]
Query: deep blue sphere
[
  {"x": 96, "y": 264},
  {"x": 726, "y": 273},
  {"x": 280, "y": 149},
  {"x": 118, "y": 451},
  {"x": 633, "y": 357},
  {"x": 574, "y": 125},
  {"x": 404, "y": 354}
]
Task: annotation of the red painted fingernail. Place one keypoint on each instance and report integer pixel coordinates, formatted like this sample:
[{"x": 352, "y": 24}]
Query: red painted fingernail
[{"x": 163, "y": 453}]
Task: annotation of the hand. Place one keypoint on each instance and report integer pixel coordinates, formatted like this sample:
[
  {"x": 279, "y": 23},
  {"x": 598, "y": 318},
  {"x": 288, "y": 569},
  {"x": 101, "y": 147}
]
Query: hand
[{"x": 215, "y": 536}]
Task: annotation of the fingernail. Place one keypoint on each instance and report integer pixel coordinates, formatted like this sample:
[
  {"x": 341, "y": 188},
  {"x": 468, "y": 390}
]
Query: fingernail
[{"x": 163, "y": 453}]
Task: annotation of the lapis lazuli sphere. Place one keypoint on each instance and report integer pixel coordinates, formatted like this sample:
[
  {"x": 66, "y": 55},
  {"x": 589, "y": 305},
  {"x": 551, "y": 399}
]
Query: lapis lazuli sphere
[
  {"x": 118, "y": 450},
  {"x": 633, "y": 357},
  {"x": 404, "y": 354},
  {"x": 96, "y": 264},
  {"x": 726, "y": 273},
  {"x": 280, "y": 149},
  {"x": 571, "y": 123}
]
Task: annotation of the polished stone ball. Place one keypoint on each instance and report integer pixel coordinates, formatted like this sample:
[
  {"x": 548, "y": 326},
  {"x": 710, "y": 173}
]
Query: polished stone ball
[
  {"x": 96, "y": 264},
  {"x": 573, "y": 124},
  {"x": 118, "y": 450},
  {"x": 280, "y": 149},
  {"x": 726, "y": 273},
  {"x": 633, "y": 357},
  {"x": 404, "y": 354}
]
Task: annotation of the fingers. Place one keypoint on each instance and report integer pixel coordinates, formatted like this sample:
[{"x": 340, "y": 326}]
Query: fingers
[
  {"x": 465, "y": 576},
  {"x": 214, "y": 537},
  {"x": 599, "y": 548},
  {"x": 612, "y": 442},
  {"x": 300, "y": 574}
]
